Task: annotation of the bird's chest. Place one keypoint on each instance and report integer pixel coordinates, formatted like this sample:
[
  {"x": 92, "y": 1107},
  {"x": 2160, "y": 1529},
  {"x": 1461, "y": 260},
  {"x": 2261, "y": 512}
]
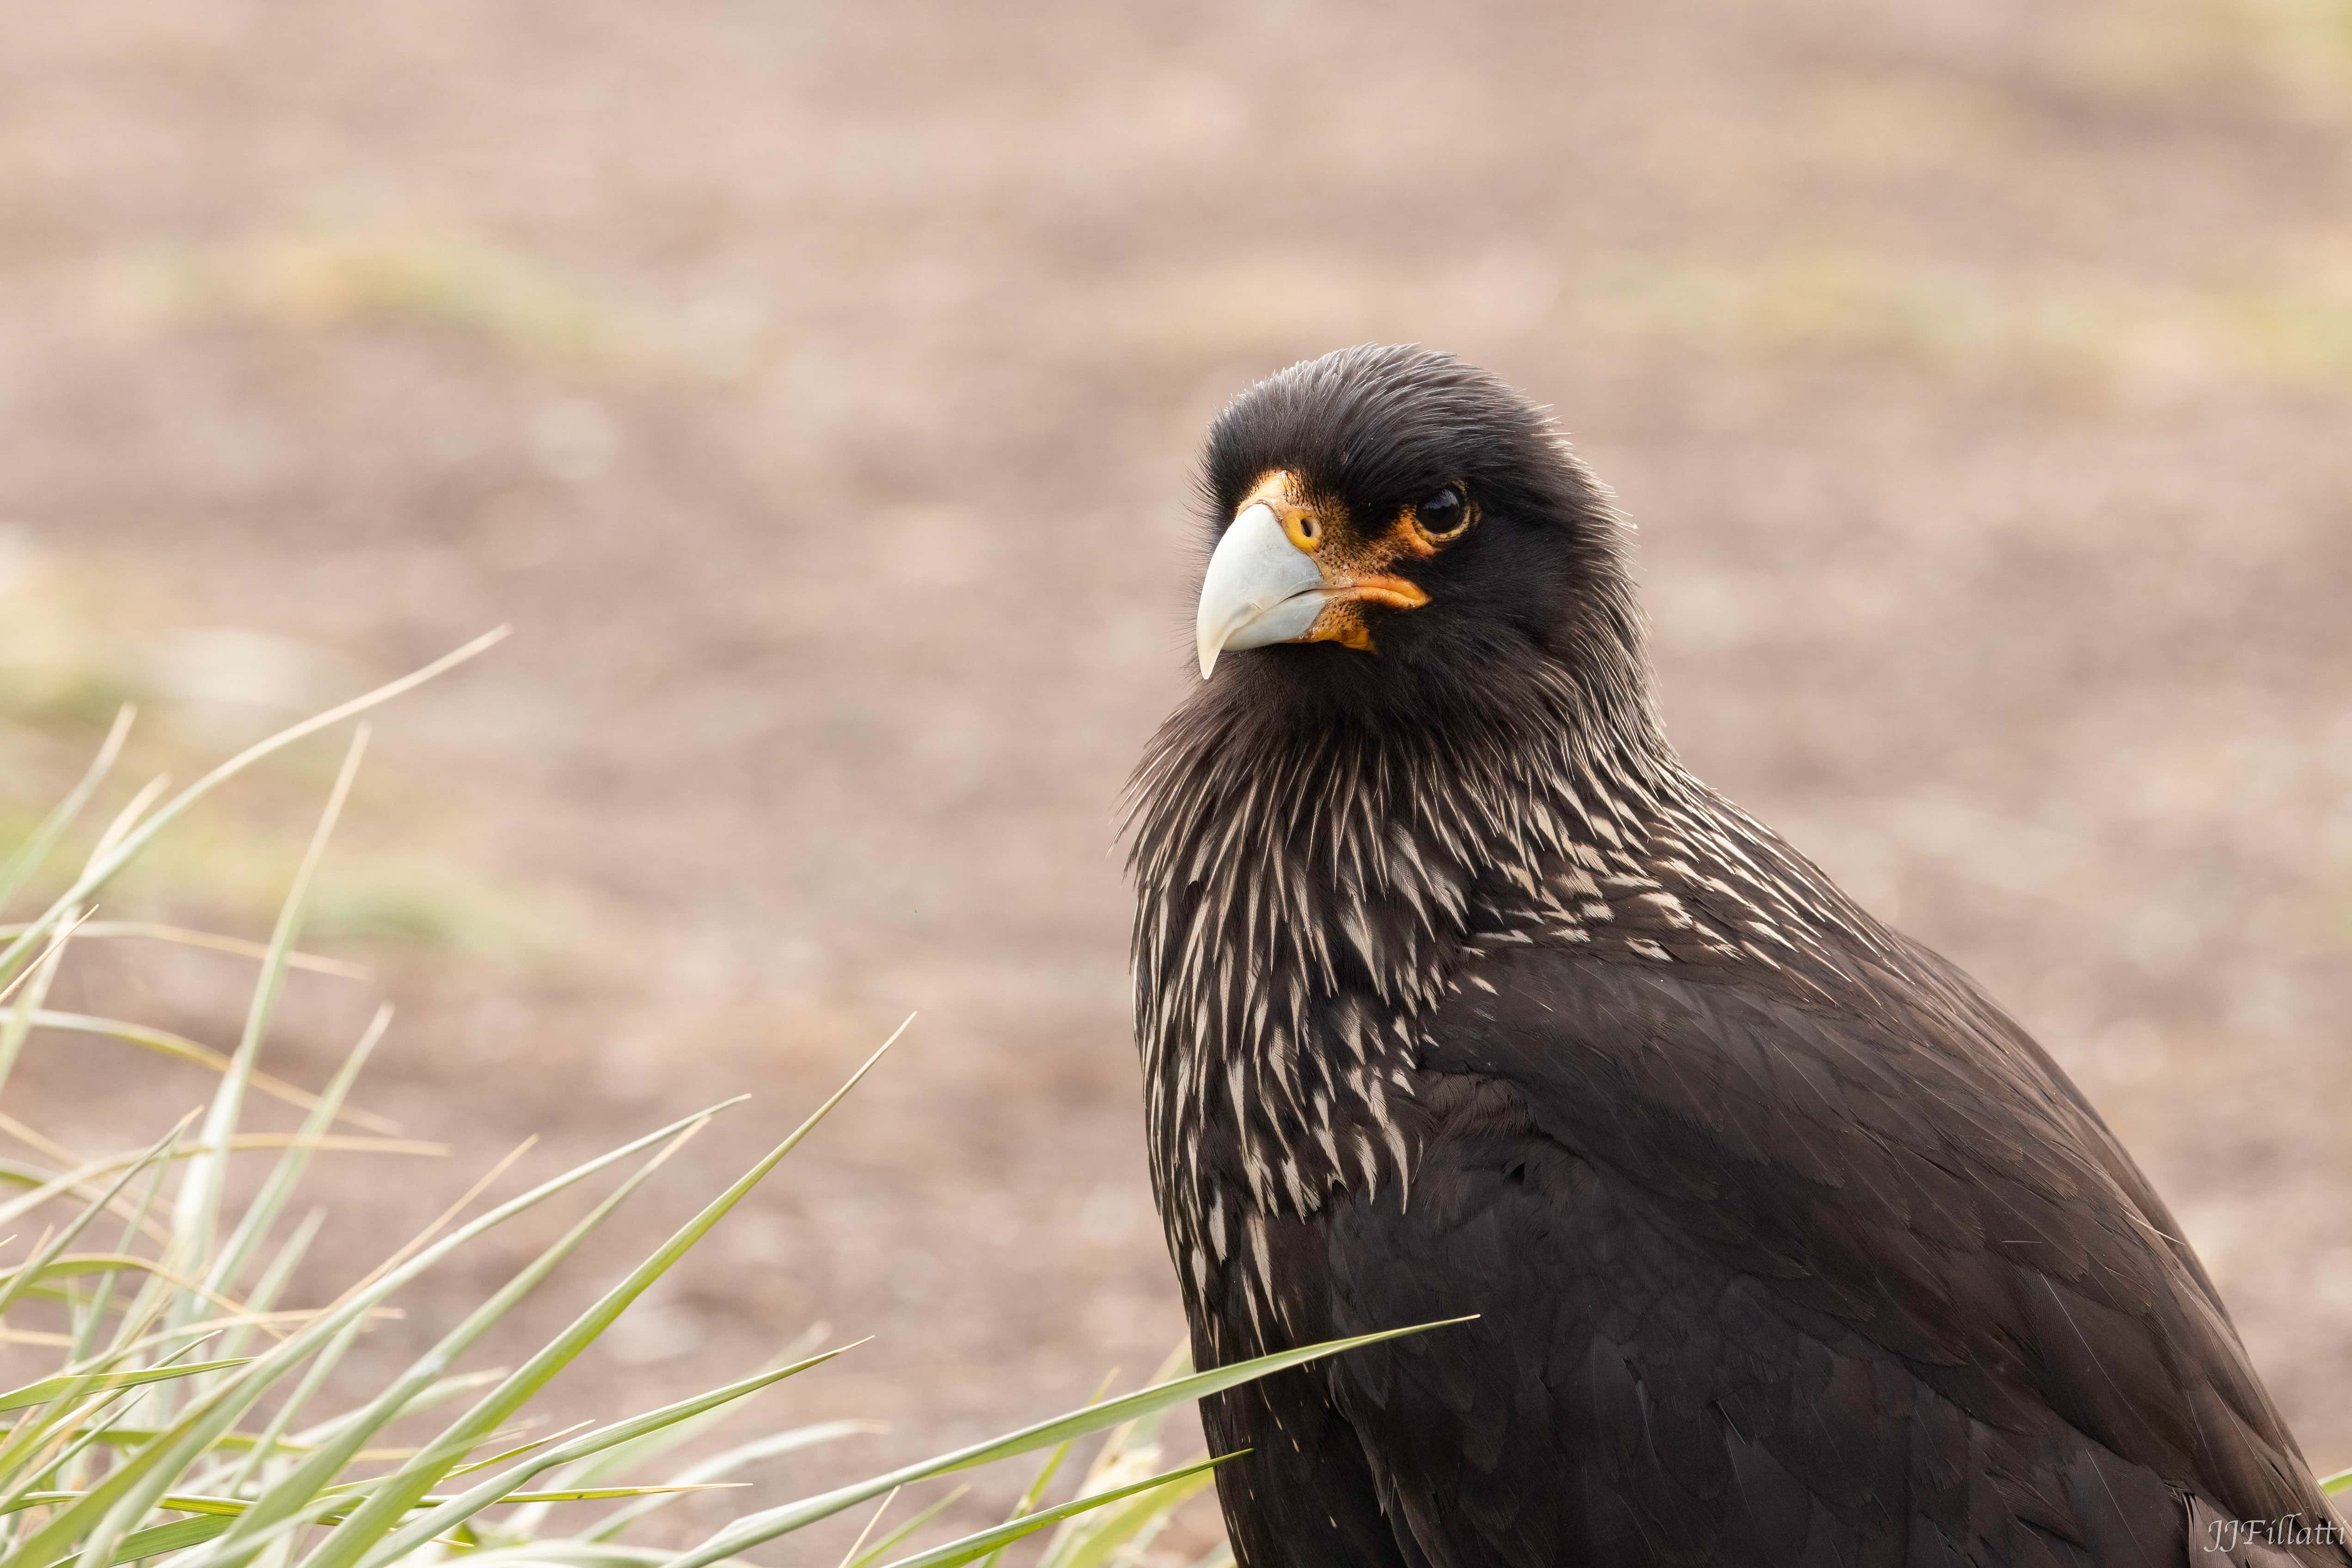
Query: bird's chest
[
  {"x": 1286, "y": 969},
  {"x": 1250, "y": 1220},
  {"x": 1273, "y": 1104},
  {"x": 1248, "y": 1174},
  {"x": 1280, "y": 1078}
]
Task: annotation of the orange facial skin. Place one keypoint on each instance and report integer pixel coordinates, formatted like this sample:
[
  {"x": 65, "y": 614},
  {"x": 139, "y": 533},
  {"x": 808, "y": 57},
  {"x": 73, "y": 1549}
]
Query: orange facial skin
[{"x": 1355, "y": 565}]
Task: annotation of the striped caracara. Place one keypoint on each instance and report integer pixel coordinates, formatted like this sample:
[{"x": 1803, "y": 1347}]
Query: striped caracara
[{"x": 1456, "y": 993}]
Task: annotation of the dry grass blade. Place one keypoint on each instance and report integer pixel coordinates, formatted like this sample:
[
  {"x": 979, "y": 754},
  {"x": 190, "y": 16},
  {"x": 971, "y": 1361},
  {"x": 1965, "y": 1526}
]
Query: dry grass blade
[
  {"x": 171, "y": 1045},
  {"x": 73, "y": 1183},
  {"x": 210, "y": 941},
  {"x": 44, "y": 838},
  {"x": 120, "y": 855},
  {"x": 442, "y": 1220},
  {"x": 48, "y": 956}
]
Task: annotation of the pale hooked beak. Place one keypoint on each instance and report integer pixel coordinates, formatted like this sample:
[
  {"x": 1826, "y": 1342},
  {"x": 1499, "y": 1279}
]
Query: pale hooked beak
[{"x": 1260, "y": 588}]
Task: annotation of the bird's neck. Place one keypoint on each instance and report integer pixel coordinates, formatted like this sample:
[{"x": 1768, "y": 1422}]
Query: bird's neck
[{"x": 1307, "y": 881}]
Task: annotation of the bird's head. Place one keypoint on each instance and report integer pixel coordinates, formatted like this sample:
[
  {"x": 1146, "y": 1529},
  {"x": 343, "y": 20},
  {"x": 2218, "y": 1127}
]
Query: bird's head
[{"x": 1391, "y": 525}]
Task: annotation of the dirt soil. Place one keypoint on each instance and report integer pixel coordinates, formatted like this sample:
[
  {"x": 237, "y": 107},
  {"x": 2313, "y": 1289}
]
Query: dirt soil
[{"x": 815, "y": 389}]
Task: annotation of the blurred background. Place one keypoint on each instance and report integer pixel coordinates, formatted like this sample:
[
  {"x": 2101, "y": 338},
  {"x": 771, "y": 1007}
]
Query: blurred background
[{"x": 816, "y": 387}]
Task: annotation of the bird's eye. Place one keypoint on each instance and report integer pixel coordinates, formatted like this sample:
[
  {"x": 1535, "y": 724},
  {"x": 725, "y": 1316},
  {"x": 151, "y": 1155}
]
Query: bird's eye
[{"x": 1445, "y": 514}]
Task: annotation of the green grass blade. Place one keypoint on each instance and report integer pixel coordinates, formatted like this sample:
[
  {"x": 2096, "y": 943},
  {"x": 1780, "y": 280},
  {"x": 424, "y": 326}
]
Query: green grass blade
[
  {"x": 270, "y": 1201},
  {"x": 233, "y": 1507},
  {"x": 74, "y": 1264},
  {"x": 275, "y": 1278},
  {"x": 1059, "y": 1454},
  {"x": 971, "y": 1548},
  {"x": 1104, "y": 1534},
  {"x": 197, "y": 1213},
  {"x": 118, "y": 1436},
  {"x": 129, "y": 816},
  {"x": 49, "y": 1251},
  {"x": 166, "y": 1043},
  {"x": 564, "y": 1554},
  {"x": 93, "y": 1325},
  {"x": 103, "y": 869},
  {"x": 1055, "y": 1459},
  {"x": 752, "y": 1529},
  {"x": 50, "y": 1388},
  {"x": 319, "y": 1469},
  {"x": 24, "y": 1007},
  {"x": 350, "y": 1542},
  {"x": 76, "y": 1425},
  {"x": 78, "y": 1183},
  {"x": 653, "y": 1446},
  {"x": 129, "y": 1550},
  {"x": 620, "y": 1460},
  {"x": 599, "y": 1494},
  {"x": 875, "y": 1552},
  {"x": 1144, "y": 1429},
  {"x": 489, "y": 1493},
  {"x": 440, "y": 1393},
  {"x": 177, "y": 1536},
  {"x": 216, "y": 1411},
  {"x": 242, "y": 1464},
  {"x": 44, "y": 839},
  {"x": 773, "y": 1446},
  {"x": 314, "y": 1375},
  {"x": 2336, "y": 1482},
  {"x": 56, "y": 1438}
]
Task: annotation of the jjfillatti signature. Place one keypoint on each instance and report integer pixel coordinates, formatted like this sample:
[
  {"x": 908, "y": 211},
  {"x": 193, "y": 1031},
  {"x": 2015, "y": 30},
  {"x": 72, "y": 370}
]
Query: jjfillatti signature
[{"x": 2288, "y": 1529}]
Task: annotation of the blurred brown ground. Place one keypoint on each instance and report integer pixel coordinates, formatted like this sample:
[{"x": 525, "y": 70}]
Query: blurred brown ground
[{"x": 815, "y": 389}]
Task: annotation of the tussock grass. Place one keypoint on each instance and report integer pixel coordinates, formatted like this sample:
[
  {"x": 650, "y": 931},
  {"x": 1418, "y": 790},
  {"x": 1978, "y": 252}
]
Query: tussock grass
[{"x": 181, "y": 1417}]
